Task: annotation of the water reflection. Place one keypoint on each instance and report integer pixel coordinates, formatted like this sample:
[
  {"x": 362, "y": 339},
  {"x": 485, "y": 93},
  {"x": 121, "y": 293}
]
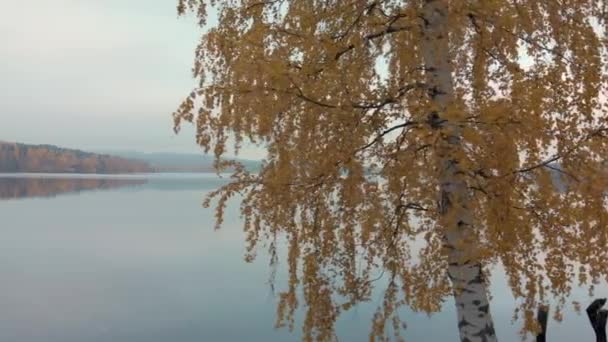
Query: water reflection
[
  {"x": 143, "y": 263},
  {"x": 25, "y": 185},
  {"x": 14, "y": 188}
]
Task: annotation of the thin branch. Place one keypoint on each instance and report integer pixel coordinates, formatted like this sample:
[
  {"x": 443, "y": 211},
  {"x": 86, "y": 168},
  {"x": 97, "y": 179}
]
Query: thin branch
[
  {"x": 367, "y": 9},
  {"x": 495, "y": 123},
  {"x": 500, "y": 59},
  {"x": 372, "y": 36},
  {"x": 414, "y": 206},
  {"x": 551, "y": 167},
  {"x": 480, "y": 189},
  {"x": 311, "y": 100},
  {"x": 280, "y": 29},
  {"x": 539, "y": 165},
  {"x": 385, "y": 132},
  {"x": 526, "y": 39},
  {"x": 391, "y": 99},
  {"x": 557, "y": 157},
  {"x": 301, "y": 95}
]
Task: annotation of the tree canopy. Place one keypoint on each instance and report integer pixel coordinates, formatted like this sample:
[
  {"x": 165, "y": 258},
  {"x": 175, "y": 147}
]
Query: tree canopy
[{"x": 347, "y": 101}]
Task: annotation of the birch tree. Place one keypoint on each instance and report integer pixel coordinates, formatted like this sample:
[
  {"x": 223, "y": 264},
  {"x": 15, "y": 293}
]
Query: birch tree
[{"x": 422, "y": 140}]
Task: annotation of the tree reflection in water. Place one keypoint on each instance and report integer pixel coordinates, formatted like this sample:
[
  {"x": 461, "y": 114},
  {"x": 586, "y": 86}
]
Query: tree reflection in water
[{"x": 16, "y": 187}]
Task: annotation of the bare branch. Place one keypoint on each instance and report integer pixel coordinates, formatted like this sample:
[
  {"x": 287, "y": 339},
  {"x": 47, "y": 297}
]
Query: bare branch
[
  {"x": 545, "y": 163},
  {"x": 527, "y": 39},
  {"x": 391, "y": 99},
  {"x": 385, "y": 132},
  {"x": 372, "y": 36},
  {"x": 301, "y": 95},
  {"x": 367, "y": 9},
  {"x": 551, "y": 167}
]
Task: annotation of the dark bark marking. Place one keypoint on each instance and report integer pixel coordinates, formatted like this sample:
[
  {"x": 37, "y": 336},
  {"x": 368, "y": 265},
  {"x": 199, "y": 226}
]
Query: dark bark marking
[
  {"x": 486, "y": 332},
  {"x": 433, "y": 118},
  {"x": 463, "y": 323},
  {"x": 477, "y": 280}
]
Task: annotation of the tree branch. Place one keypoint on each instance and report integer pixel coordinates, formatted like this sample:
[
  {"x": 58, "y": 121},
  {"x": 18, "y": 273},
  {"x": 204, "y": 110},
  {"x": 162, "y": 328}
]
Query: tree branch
[
  {"x": 385, "y": 132},
  {"x": 557, "y": 157},
  {"x": 301, "y": 95},
  {"x": 526, "y": 39},
  {"x": 391, "y": 99},
  {"x": 390, "y": 29},
  {"x": 367, "y": 9}
]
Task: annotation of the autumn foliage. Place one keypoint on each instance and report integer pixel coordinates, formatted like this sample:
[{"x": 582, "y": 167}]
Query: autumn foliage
[
  {"x": 417, "y": 139},
  {"x": 15, "y": 157}
]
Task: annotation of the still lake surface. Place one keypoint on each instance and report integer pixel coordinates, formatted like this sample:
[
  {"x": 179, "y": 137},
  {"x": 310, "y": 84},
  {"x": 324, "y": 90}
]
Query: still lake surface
[{"x": 135, "y": 258}]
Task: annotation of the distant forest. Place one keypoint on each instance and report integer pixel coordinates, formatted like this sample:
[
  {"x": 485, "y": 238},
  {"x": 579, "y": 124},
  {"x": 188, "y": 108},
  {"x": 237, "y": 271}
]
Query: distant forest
[{"x": 16, "y": 157}]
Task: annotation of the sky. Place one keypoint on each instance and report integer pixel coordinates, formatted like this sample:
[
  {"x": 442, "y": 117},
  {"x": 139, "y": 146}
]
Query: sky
[{"x": 95, "y": 74}]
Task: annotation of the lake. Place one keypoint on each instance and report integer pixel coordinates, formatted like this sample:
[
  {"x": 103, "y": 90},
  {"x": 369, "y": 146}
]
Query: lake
[{"x": 135, "y": 258}]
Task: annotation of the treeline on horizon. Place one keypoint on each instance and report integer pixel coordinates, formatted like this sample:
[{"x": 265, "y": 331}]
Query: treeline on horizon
[{"x": 17, "y": 157}]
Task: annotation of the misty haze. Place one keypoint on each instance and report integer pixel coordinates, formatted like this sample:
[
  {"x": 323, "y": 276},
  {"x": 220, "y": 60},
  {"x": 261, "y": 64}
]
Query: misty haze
[{"x": 303, "y": 170}]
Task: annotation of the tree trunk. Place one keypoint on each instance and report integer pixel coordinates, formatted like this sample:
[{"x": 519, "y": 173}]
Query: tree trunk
[{"x": 464, "y": 269}]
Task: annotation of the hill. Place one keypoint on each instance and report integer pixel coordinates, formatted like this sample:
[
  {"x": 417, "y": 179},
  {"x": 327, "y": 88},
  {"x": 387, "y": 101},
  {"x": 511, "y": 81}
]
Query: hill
[
  {"x": 179, "y": 162},
  {"x": 17, "y": 157}
]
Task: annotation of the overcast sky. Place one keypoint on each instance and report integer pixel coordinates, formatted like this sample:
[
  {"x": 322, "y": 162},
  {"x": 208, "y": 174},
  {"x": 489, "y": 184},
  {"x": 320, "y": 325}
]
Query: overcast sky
[{"x": 95, "y": 74}]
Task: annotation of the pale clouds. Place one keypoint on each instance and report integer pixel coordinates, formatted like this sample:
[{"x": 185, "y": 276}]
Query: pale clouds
[{"x": 100, "y": 74}]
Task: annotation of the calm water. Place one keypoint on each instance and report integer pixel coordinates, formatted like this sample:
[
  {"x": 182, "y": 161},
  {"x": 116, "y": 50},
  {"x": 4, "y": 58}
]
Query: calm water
[{"x": 127, "y": 259}]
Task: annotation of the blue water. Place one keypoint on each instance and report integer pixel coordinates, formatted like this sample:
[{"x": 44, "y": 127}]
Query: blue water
[{"x": 141, "y": 262}]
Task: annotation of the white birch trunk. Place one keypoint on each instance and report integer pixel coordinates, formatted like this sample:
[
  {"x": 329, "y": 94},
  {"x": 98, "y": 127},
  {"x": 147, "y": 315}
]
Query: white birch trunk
[{"x": 470, "y": 290}]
